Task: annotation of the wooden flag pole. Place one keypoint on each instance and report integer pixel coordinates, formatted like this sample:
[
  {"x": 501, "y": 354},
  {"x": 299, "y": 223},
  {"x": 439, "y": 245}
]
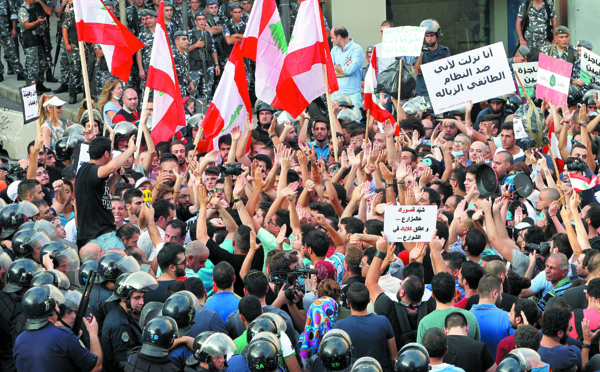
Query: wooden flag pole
[
  {"x": 143, "y": 119},
  {"x": 86, "y": 85},
  {"x": 367, "y": 125},
  {"x": 331, "y": 115},
  {"x": 399, "y": 90}
]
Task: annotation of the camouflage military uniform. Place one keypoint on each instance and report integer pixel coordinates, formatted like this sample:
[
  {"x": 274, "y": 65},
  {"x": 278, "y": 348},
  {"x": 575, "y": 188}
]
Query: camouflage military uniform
[
  {"x": 203, "y": 82},
  {"x": 570, "y": 55},
  {"x": 75, "y": 76},
  {"x": 135, "y": 26},
  {"x": 148, "y": 39},
  {"x": 178, "y": 17},
  {"x": 8, "y": 13},
  {"x": 294, "y": 15},
  {"x": 225, "y": 11},
  {"x": 536, "y": 35},
  {"x": 63, "y": 59},
  {"x": 36, "y": 63},
  {"x": 181, "y": 68},
  {"x": 219, "y": 40},
  {"x": 171, "y": 30},
  {"x": 232, "y": 28},
  {"x": 102, "y": 72}
]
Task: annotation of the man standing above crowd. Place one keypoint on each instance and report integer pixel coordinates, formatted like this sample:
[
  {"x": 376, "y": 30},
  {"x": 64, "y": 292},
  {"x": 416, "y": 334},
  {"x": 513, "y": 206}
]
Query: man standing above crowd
[
  {"x": 561, "y": 49},
  {"x": 32, "y": 17},
  {"x": 8, "y": 32},
  {"x": 347, "y": 58},
  {"x": 536, "y": 24},
  {"x": 204, "y": 62},
  {"x": 432, "y": 52}
]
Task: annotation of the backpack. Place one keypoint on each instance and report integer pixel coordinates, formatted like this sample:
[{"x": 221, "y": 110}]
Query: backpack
[
  {"x": 408, "y": 334},
  {"x": 549, "y": 27},
  {"x": 595, "y": 342}
]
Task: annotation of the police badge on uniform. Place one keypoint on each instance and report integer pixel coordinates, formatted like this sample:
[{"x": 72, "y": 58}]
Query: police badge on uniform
[{"x": 125, "y": 337}]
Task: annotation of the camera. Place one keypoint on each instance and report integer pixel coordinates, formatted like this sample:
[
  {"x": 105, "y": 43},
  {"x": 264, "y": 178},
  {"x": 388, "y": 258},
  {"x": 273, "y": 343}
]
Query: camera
[
  {"x": 542, "y": 248},
  {"x": 289, "y": 276},
  {"x": 231, "y": 169},
  {"x": 15, "y": 172},
  {"x": 577, "y": 166}
]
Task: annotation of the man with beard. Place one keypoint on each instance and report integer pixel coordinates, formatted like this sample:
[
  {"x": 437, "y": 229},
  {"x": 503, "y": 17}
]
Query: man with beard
[
  {"x": 321, "y": 132},
  {"x": 185, "y": 208},
  {"x": 497, "y": 107},
  {"x": 264, "y": 114},
  {"x": 129, "y": 112},
  {"x": 494, "y": 323},
  {"x": 172, "y": 263},
  {"x": 133, "y": 199},
  {"x": 164, "y": 211},
  {"x": 553, "y": 348},
  {"x": 178, "y": 149}
]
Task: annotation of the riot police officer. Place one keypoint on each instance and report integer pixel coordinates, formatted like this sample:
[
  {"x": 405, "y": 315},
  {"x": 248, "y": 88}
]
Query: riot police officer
[
  {"x": 181, "y": 307},
  {"x": 159, "y": 335},
  {"x": 412, "y": 357},
  {"x": 120, "y": 331},
  {"x": 60, "y": 347},
  {"x": 432, "y": 51},
  {"x": 497, "y": 107},
  {"x": 335, "y": 351},
  {"x": 518, "y": 360},
  {"x": 14, "y": 215},
  {"x": 366, "y": 364},
  {"x": 263, "y": 353},
  {"x": 210, "y": 351},
  {"x": 264, "y": 114}
]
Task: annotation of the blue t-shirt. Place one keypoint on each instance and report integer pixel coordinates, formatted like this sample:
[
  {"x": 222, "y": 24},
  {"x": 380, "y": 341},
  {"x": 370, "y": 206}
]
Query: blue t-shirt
[
  {"x": 494, "y": 325},
  {"x": 207, "y": 320},
  {"x": 369, "y": 335},
  {"x": 60, "y": 349},
  {"x": 433, "y": 55},
  {"x": 223, "y": 303},
  {"x": 179, "y": 355}
]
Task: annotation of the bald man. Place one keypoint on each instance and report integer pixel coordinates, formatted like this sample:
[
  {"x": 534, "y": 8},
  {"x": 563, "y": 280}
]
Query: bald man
[
  {"x": 502, "y": 161},
  {"x": 129, "y": 112},
  {"x": 545, "y": 198},
  {"x": 478, "y": 150},
  {"x": 90, "y": 251}
]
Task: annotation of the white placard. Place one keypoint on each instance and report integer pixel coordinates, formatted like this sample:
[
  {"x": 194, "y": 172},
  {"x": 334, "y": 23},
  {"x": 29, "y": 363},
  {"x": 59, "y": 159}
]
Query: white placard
[
  {"x": 31, "y": 110},
  {"x": 590, "y": 66},
  {"x": 408, "y": 224},
  {"x": 84, "y": 155},
  {"x": 519, "y": 128},
  {"x": 475, "y": 76},
  {"x": 402, "y": 41},
  {"x": 527, "y": 72}
]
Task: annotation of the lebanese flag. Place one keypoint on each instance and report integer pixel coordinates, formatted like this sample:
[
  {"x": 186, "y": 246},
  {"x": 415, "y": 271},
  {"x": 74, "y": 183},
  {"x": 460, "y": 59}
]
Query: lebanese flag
[
  {"x": 555, "y": 149},
  {"x": 264, "y": 42},
  {"x": 97, "y": 25},
  {"x": 230, "y": 106},
  {"x": 582, "y": 183},
  {"x": 553, "y": 80},
  {"x": 372, "y": 103},
  {"x": 168, "y": 116},
  {"x": 302, "y": 79}
]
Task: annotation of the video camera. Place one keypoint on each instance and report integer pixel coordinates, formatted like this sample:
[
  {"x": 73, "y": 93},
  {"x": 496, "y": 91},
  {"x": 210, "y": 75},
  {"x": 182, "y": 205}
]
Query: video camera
[
  {"x": 231, "y": 169},
  {"x": 543, "y": 248},
  {"x": 281, "y": 277},
  {"x": 577, "y": 166},
  {"x": 15, "y": 172}
]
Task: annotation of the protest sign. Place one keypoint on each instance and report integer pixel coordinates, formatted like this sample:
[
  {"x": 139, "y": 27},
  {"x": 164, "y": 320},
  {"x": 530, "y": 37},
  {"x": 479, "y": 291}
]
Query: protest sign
[
  {"x": 475, "y": 76},
  {"x": 31, "y": 110},
  {"x": 528, "y": 74},
  {"x": 590, "y": 66},
  {"x": 402, "y": 41},
  {"x": 553, "y": 80},
  {"x": 82, "y": 154},
  {"x": 409, "y": 223}
]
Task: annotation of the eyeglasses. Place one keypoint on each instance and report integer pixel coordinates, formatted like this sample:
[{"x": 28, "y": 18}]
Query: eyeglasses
[
  {"x": 179, "y": 264},
  {"x": 460, "y": 143},
  {"x": 218, "y": 190},
  {"x": 362, "y": 264}
]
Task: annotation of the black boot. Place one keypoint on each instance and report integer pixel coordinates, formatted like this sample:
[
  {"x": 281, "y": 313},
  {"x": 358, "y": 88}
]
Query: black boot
[
  {"x": 72, "y": 97},
  {"x": 20, "y": 77},
  {"x": 1, "y": 78},
  {"x": 9, "y": 70},
  {"x": 50, "y": 78},
  {"x": 41, "y": 88},
  {"x": 63, "y": 88}
]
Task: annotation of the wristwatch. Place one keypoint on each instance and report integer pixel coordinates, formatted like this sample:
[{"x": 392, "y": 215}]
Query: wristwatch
[{"x": 380, "y": 254}]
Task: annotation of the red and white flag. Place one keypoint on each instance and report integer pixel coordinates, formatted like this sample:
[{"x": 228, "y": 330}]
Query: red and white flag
[
  {"x": 230, "y": 106},
  {"x": 264, "y": 42},
  {"x": 168, "y": 115},
  {"x": 372, "y": 103},
  {"x": 553, "y": 80},
  {"x": 96, "y": 25},
  {"x": 302, "y": 79},
  {"x": 582, "y": 183},
  {"x": 555, "y": 149}
]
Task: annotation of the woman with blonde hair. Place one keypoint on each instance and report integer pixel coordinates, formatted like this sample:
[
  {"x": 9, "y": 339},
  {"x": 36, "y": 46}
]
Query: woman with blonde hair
[
  {"x": 50, "y": 112},
  {"x": 108, "y": 103}
]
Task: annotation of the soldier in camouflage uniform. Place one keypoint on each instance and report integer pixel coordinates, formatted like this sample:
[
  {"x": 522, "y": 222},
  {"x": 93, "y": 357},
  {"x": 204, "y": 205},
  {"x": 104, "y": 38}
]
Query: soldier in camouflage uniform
[
  {"x": 169, "y": 25},
  {"x": 234, "y": 32},
  {"x": 538, "y": 15},
  {"x": 215, "y": 25},
  {"x": 69, "y": 31},
  {"x": 180, "y": 59},
  {"x": 62, "y": 6},
  {"x": 562, "y": 49},
  {"x": 134, "y": 17},
  {"x": 31, "y": 16},
  {"x": 193, "y": 8},
  {"x": 204, "y": 62},
  {"x": 148, "y": 39},
  {"x": 8, "y": 32},
  {"x": 226, "y": 8},
  {"x": 178, "y": 15},
  {"x": 102, "y": 72},
  {"x": 247, "y": 5}
]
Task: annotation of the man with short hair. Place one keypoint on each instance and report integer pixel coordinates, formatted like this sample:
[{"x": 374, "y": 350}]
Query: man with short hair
[
  {"x": 223, "y": 301},
  {"x": 509, "y": 142},
  {"x": 205, "y": 319},
  {"x": 180, "y": 58},
  {"x": 577, "y": 296},
  {"x": 30, "y": 190},
  {"x": 498, "y": 269},
  {"x": 562, "y": 49},
  {"x": 204, "y": 61},
  {"x": 436, "y": 344},
  {"x": 372, "y": 335},
  {"x": 164, "y": 211},
  {"x": 133, "y": 199},
  {"x": 523, "y": 312},
  {"x": 347, "y": 57},
  {"x": 553, "y": 348},
  {"x": 130, "y": 111},
  {"x": 557, "y": 275},
  {"x": 175, "y": 232},
  {"x": 464, "y": 352},
  {"x": 129, "y": 235},
  {"x": 494, "y": 323},
  {"x": 433, "y": 52},
  {"x": 468, "y": 278},
  {"x": 171, "y": 260}
]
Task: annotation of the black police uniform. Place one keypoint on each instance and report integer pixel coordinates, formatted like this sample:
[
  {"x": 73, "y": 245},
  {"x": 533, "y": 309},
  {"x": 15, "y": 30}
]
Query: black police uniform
[
  {"x": 139, "y": 362},
  {"x": 120, "y": 333},
  {"x": 10, "y": 306},
  {"x": 99, "y": 306}
]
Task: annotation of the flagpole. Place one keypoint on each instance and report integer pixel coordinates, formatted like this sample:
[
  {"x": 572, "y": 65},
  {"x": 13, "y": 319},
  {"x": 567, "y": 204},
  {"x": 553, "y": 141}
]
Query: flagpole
[
  {"x": 399, "y": 90},
  {"x": 143, "y": 120},
  {"x": 367, "y": 125},
  {"x": 86, "y": 85},
  {"x": 331, "y": 115}
]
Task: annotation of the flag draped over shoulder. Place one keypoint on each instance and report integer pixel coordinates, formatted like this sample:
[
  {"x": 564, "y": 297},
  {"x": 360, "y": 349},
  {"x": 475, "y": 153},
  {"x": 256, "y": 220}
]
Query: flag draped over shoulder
[
  {"x": 302, "y": 78},
  {"x": 372, "y": 103},
  {"x": 95, "y": 24},
  {"x": 230, "y": 106},
  {"x": 168, "y": 115}
]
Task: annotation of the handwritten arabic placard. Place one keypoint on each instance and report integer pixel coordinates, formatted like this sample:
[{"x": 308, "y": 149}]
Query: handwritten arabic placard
[
  {"x": 590, "y": 66},
  {"x": 402, "y": 41},
  {"x": 528, "y": 74},
  {"x": 475, "y": 76},
  {"x": 31, "y": 110},
  {"x": 553, "y": 80},
  {"x": 409, "y": 223}
]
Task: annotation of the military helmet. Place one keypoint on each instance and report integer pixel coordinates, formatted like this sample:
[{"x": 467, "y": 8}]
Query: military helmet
[
  {"x": 65, "y": 146},
  {"x": 181, "y": 306},
  {"x": 39, "y": 303},
  {"x": 112, "y": 265},
  {"x": 413, "y": 357},
  {"x": 588, "y": 97},
  {"x": 432, "y": 27},
  {"x": 263, "y": 353},
  {"x": 75, "y": 129},
  {"x": 366, "y": 364},
  {"x": 212, "y": 344},
  {"x": 124, "y": 129},
  {"x": 263, "y": 106},
  {"x": 501, "y": 99},
  {"x": 336, "y": 350},
  {"x": 158, "y": 336},
  {"x": 20, "y": 273},
  {"x": 20, "y": 243},
  {"x": 128, "y": 283}
]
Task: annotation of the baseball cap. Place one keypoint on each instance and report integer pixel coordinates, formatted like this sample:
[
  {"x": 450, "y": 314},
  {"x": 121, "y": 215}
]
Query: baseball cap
[{"x": 142, "y": 181}]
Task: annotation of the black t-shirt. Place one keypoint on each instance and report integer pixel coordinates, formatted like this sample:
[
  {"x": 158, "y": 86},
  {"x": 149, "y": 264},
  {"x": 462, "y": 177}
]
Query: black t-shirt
[
  {"x": 271, "y": 297},
  {"x": 576, "y": 297},
  {"x": 94, "y": 211},
  {"x": 507, "y": 302},
  {"x": 159, "y": 294},
  {"x": 468, "y": 354},
  {"x": 386, "y": 307},
  {"x": 54, "y": 174}
]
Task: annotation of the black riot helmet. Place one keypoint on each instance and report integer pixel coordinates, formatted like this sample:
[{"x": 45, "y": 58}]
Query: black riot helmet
[
  {"x": 263, "y": 106},
  {"x": 39, "y": 303},
  {"x": 212, "y": 344},
  {"x": 575, "y": 96},
  {"x": 366, "y": 364},
  {"x": 158, "y": 336},
  {"x": 52, "y": 248},
  {"x": 181, "y": 306},
  {"x": 20, "y": 243},
  {"x": 513, "y": 102},
  {"x": 74, "y": 129},
  {"x": 20, "y": 273},
  {"x": 112, "y": 265},
  {"x": 128, "y": 283},
  {"x": 123, "y": 129},
  {"x": 53, "y": 277},
  {"x": 10, "y": 220},
  {"x": 518, "y": 360},
  {"x": 86, "y": 270},
  {"x": 259, "y": 325},
  {"x": 336, "y": 350},
  {"x": 263, "y": 353},
  {"x": 412, "y": 357},
  {"x": 65, "y": 146}
]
